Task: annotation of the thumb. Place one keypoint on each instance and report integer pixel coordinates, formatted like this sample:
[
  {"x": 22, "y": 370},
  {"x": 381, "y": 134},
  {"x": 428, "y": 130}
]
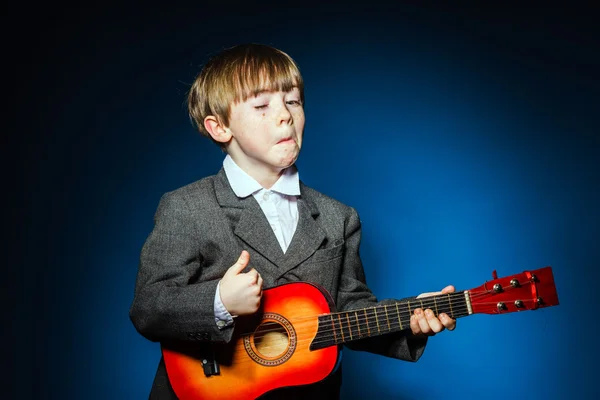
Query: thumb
[
  {"x": 240, "y": 264},
  {"x": 448, "y": 289}
]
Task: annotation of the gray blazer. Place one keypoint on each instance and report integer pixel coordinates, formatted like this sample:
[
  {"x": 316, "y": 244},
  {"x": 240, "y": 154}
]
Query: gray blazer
[{"x": 200, "y": 231}]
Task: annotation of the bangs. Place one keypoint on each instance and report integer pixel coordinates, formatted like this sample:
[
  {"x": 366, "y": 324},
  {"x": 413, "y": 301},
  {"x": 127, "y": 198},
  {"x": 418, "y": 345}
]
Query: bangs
[{"x": 255, "y": 75}]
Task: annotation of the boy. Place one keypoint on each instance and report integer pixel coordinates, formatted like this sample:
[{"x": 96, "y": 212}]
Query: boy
[{"x": 249, "y": 100}]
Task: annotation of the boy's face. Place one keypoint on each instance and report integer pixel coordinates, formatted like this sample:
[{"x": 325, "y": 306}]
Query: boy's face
[{"x": 266, "y": 132}]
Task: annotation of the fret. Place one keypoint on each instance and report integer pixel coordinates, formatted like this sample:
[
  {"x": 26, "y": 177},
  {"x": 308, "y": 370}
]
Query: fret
[
  {"x": 442, "y": 305},
  {"x": 398, "y": 314},
  {"x": 450, "y": 304},
  {"x": 341, "y": 327},
  {"x": 428, "y": 303},
  {"x": 349, "y": 325},
  {"x": 384, "y": 314},
  {"x": 409, "y": 312},
  {"x": 367, "y": 322},
  {"x": 435, "y": 303},
  {"x": 354, "y": 325},
  {"x": 377, "y": 319},
  {"x": 381, "y": 317},
  {"x": 372, "y": 320},
  {"x": 405, "y": 314},
  {"x": 333, "y": 328},
  {"x": 387, "y": 317}
]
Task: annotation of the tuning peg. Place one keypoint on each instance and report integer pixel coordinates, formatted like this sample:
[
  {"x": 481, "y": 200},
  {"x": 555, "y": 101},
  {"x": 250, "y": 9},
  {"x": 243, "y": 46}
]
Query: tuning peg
[
  {"x": 519, "y": 303},
  {"x": 494, "y": 274},
  {"x": 540, "y": 301}
]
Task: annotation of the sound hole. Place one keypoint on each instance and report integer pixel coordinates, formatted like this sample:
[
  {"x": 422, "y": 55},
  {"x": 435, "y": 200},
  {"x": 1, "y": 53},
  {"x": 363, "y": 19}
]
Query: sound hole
[{"x": 271, "y": 339}]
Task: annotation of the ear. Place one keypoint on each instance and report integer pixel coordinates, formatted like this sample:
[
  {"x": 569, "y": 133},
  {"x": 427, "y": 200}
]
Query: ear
[{"x": 216, "y": 129}]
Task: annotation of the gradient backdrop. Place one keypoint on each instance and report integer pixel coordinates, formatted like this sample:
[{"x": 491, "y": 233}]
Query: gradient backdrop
[{"x": 467, "y": 139}]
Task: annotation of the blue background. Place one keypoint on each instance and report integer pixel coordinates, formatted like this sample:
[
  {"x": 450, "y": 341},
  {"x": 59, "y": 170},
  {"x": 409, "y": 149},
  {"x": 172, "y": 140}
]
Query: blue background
[{"x": 467, "y": 139}]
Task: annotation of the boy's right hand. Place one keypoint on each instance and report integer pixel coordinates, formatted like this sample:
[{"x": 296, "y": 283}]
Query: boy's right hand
[{"x": 241, "y": 291}]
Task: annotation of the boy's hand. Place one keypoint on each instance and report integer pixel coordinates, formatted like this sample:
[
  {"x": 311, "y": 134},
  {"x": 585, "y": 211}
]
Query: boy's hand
[
  {"x": 426, "y": 323},
  {"x": 241, "y": 292}
]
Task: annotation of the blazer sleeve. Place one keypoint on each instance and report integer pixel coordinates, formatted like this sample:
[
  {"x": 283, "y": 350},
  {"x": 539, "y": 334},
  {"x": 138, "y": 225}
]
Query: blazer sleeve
[
  {"x": 354, "y": 293},
  {"x": 166, "y": 305}
]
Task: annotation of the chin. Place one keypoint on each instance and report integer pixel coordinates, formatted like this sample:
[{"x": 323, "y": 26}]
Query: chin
[
  {"x": 288, "y": 161},
  {"x": 285, "y": 165}
]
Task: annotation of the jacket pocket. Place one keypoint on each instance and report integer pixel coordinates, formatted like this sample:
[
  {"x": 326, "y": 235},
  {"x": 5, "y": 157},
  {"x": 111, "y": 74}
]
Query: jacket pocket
[{"x": 327, "y": 254}]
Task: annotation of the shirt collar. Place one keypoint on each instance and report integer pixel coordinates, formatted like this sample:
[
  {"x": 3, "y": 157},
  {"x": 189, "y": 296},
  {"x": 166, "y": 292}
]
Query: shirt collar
[{"x": 244, "y": 185}]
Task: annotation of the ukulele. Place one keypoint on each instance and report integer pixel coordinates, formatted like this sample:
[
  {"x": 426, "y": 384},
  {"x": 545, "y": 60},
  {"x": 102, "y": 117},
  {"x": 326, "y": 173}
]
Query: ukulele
[{"x": 296, "y": 336}]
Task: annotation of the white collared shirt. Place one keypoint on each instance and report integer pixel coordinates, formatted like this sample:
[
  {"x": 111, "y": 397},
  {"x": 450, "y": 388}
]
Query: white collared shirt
[{"x": 279, "y": 204}]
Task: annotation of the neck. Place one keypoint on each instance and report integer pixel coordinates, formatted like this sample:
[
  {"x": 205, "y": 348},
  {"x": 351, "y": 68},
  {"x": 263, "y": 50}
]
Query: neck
[
  {"x": 264, "y": 175},
  {"x": 342, "y": 327},
  {"x": 267, "y": 181}
]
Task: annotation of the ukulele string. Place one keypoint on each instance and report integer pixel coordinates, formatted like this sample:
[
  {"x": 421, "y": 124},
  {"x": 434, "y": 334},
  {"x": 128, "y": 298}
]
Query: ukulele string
[{"x": 374, "y": 309}]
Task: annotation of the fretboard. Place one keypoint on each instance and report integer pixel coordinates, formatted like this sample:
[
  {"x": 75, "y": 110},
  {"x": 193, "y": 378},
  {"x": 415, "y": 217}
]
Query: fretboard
[{"x": 342, "y": 327}]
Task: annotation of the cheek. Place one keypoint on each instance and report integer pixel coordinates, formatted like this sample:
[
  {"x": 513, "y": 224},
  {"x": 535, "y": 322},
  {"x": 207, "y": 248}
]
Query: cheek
[
  {"x": 299, "y": 128},
  {"x": 254, "y": 136}
]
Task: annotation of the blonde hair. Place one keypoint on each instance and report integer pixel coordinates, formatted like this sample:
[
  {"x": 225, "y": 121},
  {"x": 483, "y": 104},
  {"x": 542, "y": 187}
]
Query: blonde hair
[{"x": 234, "y": 75}]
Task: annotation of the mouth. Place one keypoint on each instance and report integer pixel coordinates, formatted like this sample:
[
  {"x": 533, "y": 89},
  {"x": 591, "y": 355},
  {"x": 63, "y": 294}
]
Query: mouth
[{"x": 286, "y": 140}]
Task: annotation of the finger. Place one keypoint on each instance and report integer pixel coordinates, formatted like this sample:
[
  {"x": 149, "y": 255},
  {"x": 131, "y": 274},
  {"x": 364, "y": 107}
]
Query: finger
[
  {"x": 252, "y": 277},
  {"x": 259, "y": 283},
  {"x": 423, "y": 323},
  {"x": 414, "y": 325},
  {"x": 448, "y": 289},
  {"x": 434, "y": 323},
  {"x": 448, "y": 322},
  {"x": 240, "y": 264}
]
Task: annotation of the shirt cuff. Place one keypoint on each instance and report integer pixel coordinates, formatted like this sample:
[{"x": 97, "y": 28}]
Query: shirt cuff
[{"x": 222, "y": 317}]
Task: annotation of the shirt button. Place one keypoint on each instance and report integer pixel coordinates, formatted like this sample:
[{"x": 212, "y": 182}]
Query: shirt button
[
  {"x": 220, "y": 323},
  {"x": 266, "y": 196}
]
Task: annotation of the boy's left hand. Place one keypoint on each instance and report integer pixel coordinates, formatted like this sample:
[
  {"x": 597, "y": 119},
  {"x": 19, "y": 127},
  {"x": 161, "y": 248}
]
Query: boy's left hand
[{"x": 424, "y": 322}]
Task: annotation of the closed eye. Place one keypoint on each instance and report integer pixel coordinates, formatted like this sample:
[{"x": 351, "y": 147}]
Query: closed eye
[
  {"x": 294, "y": 102},
  {"x": 261, "y": 107}
]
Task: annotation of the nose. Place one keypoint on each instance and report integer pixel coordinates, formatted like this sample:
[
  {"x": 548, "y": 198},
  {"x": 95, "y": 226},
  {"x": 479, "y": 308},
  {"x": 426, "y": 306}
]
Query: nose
[{"x": 284, "y": 116}]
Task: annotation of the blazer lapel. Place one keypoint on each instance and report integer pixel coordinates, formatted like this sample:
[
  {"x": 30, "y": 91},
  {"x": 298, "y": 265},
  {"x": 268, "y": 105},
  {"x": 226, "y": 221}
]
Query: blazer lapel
[
  {"x": 306, "y": 240},
  {"x": 248, "y": 221}
]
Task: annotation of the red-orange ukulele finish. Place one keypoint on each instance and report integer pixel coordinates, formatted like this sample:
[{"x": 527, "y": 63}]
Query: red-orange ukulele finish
[{"x": 295, "y": 338}]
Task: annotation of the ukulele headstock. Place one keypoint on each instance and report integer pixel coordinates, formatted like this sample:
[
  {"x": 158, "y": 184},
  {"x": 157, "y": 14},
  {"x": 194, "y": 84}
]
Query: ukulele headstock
[{"x": 528, "y": 290}]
